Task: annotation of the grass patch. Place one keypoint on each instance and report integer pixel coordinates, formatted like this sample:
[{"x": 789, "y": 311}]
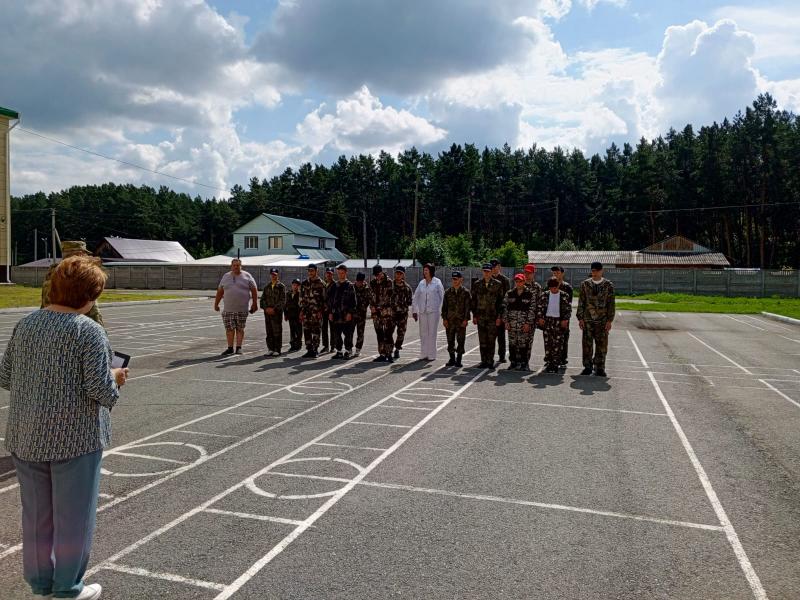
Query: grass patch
[
  {"x": 789, "y": 307},
  {"x": 16, "y": 296}
]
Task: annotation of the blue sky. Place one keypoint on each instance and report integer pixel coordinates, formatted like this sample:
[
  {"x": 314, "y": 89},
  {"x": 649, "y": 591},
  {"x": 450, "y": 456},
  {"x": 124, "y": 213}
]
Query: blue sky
[{"x": 219, "y": 91}]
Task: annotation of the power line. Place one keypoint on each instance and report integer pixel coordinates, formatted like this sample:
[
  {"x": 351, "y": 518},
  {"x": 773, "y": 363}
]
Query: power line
[{"x": 702, "y": 208}]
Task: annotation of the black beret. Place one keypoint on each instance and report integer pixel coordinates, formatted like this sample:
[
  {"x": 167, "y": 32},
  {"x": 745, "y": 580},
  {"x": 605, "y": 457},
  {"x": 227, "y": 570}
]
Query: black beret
[
  {"x": 399, "y": 269},
  {"x": 457, "y": 274},
  {"x": 312, "y": 266},
  {"x": 377, "y": 269},
  {"x": 557, "y": 268},
  {"x": 274, "y": 272},
  {"x": 296, "y": 281},
  {"x": 487, "y": 267},
  {"x": 360, "y": 277},
  {"x": 597, "y": 266},
  {"x": 329, "y": 270},
  {"x": 494, "y": 262}
]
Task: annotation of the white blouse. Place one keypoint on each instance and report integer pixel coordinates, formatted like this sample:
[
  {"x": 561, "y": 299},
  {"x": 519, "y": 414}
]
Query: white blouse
[{"x": 428, "y": 297}]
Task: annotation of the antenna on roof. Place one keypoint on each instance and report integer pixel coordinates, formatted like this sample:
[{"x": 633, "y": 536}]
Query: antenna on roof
[{"x": 238, "y": 253}]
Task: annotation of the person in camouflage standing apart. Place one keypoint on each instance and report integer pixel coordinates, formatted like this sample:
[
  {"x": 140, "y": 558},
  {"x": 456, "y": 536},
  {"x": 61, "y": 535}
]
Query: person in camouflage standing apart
[
  {"x": 70, "y": 248},
  {"x": 558, "y": 273},
  {"x": 273, "y": 301},
  {"x": 381, "y": 311},
  {"x": 455, "y": 317},
  {"x": 596, "y": 309},
  {"x": 327, "y": 326},
  {"x": 554, "y": 311},
  {"x": 364, "y": 300},
  {"x": 520, "y": 306},
  {"x": 487, "y": 314},
  {"x": 402, "y": 297},
  {"x": 312, "y": 309},
  {"x": 292, "y": 315},
  {"x": 497, "y": 273},
  {"x": 342, "y": 304}
]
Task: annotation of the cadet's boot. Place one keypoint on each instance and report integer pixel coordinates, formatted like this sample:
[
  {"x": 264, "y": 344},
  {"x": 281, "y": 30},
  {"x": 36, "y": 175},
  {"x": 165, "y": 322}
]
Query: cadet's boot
[
  {"x": 458, "y": 360},
  {"x": 524, "y": 367},
  {"x": 512, "y": 367},
  {"x": 600, "y": 372},
  {"x": 502, "y": 358},
  {"x": 586, "y": 371},
  {"x": 397, "y": 353},
  {"x": 452, "y": 361}
]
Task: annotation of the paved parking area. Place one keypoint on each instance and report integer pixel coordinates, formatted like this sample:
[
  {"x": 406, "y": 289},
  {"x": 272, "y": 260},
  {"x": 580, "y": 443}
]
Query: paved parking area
[{"x": 247, "y": 477}]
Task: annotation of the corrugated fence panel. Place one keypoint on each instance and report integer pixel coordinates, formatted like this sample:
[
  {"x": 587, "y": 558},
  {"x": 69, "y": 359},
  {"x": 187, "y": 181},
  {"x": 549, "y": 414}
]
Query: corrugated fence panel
[
  {"x": 172, "y": 278},
  {"x": 122, "y": 276},
  {"x": 745, "y": 283},
  {"x": 646, "y": 281},
  {"x": 155, "y": 278},
  {"x": 711, "y": 283},
  {"x": 782, "y": 283},
  {"x": 678, "y": 281},
  {"x": 138, "y": 277}
]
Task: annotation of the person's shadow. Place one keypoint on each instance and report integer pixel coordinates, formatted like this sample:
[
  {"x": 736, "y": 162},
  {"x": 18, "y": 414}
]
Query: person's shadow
[
  {"x": 544, "y": 380},
  {"x": 590, "y": 384}
]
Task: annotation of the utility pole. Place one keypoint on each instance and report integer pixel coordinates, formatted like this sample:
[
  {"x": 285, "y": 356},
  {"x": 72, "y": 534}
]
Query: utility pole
[
  {"x": 53, "y": 231},
  {"x": 469, "y": 211},
  {"x": 416, "y": 208},
  {"x": 364, "y": 235},
  {"x": 557, "y": 221},
  {"x": 35, "y": 245}
]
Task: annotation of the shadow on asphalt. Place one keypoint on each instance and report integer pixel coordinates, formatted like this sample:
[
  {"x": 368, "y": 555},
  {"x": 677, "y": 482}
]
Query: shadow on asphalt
[{"x": 589, "y": 384}]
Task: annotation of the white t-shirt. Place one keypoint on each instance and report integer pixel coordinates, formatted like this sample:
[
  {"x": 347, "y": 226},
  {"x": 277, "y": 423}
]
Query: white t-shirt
[
  {"x": 238, "y": 296},
  {"x": 554, "y": 305}
]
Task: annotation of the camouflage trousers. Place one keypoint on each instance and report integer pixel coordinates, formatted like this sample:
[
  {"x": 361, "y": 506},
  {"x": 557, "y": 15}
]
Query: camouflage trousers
[
  {"x": 384, "y": 329},
  {"x": 456, "y": 334},
  {"x": 487, "y": 334},
  {"x": 401, "y": 323},
  {"x": 295, "y": 333},
  {"x": 361, "y": 325},
  {"x": 312, "y": 326},
  {"x": 554, "y": 341},
  {"x": 519, "y": 342},
  {"x": 595, "y": 342},
  {"x": 274, "y": 327}
]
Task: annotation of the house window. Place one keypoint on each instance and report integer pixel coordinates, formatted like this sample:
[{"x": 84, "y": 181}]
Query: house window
[
  {"x": 250, "y": 241},
  {"x": 322, "y": 242},
  {"x": 275, "y": 242}
]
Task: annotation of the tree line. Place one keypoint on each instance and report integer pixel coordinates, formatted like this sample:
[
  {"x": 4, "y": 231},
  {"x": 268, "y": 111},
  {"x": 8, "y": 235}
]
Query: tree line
[{"x": 733, "y": 186}]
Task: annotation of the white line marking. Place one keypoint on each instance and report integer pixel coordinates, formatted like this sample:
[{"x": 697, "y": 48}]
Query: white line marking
[
  {"x": 635, "y": 347},
  {"x": 165, "y": 576},
  {"x": 694, "y": 367},
  {"x": 425, "y": 395},
  {"x": 796, "y": 371},
  {"x": 730, "y": 532},
  {"x": 223, "y": 381},
  {"x": 780, "y": 393},
  {"x": 616, "y": 410},
  {"x": 239, "y": 414},
  {"x": 406, "y": 407},
  {"x": 380, "y": 424},
  {"x": 790, "y": 339},
  {"x": 148, "y": 457},
  {"x": 203, "y": 433},
  {"x": 604, "y": 513},
  {"x": 11, "y": 472},
  {"x": 730, "y": 360},
  {"x": 764, "y": 322},
  {"x": 305, "y": 476},
  {"x": 4, "y": 407},
  {"x": 350, "y": 447},
  {"x": 745, "y": 323},
  {"x": 242, "y": 515},
  {"x": 109, "y": 496}
]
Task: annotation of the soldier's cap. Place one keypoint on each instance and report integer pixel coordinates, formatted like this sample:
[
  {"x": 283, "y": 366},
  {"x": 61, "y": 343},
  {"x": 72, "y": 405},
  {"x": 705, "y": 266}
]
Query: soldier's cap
[
  {"x": 377, "y": 269},
  {"x": 553, "y": 283},
  {"x": 295, "y": 280},
  {"x": 73, "y": 247},
  {"x": 274, "y": 272},
  {"x": 329, "y": 270},
  {"x": 312, "y": 266},
  {"x": 487, "y": 267},
  {"x": 494, "y": 262},
  {"x": 341, "y": 267},
  {"x": 597, "y": 266},
  {"x": 361, "y": 277},
  {"x": 555, "y": 268},
  {"x": 399, "y": 269},
  {"x": 458, "y": 275},
  {"x": 519, "y": 277},
  {"x": 529, "y": 268}
]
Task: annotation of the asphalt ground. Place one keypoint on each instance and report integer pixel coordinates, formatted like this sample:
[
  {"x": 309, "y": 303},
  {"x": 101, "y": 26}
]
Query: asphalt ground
[{"x": 249, "y": 477}]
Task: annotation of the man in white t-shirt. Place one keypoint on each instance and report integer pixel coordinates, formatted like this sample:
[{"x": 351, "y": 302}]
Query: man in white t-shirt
[{"x": 238, "y": 291}]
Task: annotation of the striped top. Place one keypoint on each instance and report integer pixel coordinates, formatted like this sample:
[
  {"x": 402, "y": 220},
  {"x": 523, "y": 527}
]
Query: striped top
[{"x": 57, "y": 367}]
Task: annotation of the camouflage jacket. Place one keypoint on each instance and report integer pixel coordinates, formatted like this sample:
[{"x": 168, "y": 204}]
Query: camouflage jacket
[
  {"x": 312, "y": 297},
  {"x": 565, "y": 305},
  {"x": 94, "y": 312},
  {"x": 596, "y": 301},
  {"x": 381, "y": 297},
  {"x": 504, "y": 281},
  {"x": 292, "y": 307},
  {"x": 522, "y": 306},
  {"x": 487, "y": 299},
  {"x": 402, "y": 297},
  {"x": 274, "y": 297},
  {"x": 342, "y": 300},
  {"x": 536, "y": 288},
  {"x": 364, "y": 298},
  {"x": 566, "y": 287},
  {"x": 456, "y": 305}
]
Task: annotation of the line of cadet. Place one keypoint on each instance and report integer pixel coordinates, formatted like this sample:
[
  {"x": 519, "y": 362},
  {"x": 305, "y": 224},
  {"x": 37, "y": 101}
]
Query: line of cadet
[{"x": 334, "y": 309}]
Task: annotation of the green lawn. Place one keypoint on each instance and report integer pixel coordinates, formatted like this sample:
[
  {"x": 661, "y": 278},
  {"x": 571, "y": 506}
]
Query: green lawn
[
  {"x": 14, "y": 296},
  {"x": 789, "y": 307}
]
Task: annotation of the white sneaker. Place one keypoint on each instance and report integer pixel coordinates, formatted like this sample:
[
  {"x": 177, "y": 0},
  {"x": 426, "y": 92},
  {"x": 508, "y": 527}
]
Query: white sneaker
[{"x": 90, "y": 592}]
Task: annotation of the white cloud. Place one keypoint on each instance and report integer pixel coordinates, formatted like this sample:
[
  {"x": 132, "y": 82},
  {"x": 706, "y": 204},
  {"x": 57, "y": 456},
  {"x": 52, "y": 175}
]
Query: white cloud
[{"x": 775, "y": 29}]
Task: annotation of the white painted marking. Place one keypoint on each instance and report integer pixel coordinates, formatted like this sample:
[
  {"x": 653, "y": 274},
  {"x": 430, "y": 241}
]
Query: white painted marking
[
  {"x": 148, "y": 457},
  {"x": 405, "y": 407},
  {"x": 733, "y": 538},
  {"x": 380, "y": 424},
  {"x": 242, "y": 515},
  {"x": 765, "y": 322},
  {"x": 351, "y": 447},
  {"x": 424, "y": 395},
  {"x": 11, "y": 550},
  {"x": 164, "y": 576},
  {"x": 730, "y": 360},
  {"x": 636, "y": 347},
  {"x": 241, "y": 414},
  {"x": 796, "y": 371},
  {"x": 11, "y": 472},
  {"x": 615, "y": 410},
  {"x": 224, "y": 381},
  {"x": 590, "y": 511},
  {"x": 203, "y": 433},
  {"x": 745, "y": 323},
  {"x": 8, "y": 488},
  {"x": 780, "y": 393},
  {"x": 694, "y": 367},
  {"x": 109, "y": 496},
  {"x": 790, "y": 339}
]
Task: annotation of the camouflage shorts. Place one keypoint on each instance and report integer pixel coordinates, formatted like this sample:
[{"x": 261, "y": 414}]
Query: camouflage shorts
[{"x": 234, "y": 321}]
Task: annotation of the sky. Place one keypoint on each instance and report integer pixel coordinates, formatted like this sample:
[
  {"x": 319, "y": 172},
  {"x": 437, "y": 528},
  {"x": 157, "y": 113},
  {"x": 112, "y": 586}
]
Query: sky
[{"x": 216, "y": 92}]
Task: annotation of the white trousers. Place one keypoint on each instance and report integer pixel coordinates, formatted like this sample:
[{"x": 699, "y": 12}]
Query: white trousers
[{"x": 428, "y": 329}]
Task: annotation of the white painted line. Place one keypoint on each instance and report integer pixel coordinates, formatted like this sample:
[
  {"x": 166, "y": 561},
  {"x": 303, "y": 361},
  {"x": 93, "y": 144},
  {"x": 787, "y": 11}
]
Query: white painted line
[
  {"x": 730, "y": 360},
  {"x": 733, "y": 538},
  {"x": 8, "y": 488},
  {"x": 694, "y": 367},
  {"x": 240, "y": 414},
  {"x": 4, "y": 407},
  {"x": 108, "y": 496},
  {"x": 305, "y": 476},
  {"x": 204, "y": 433},
  {"x": 164, "y": 576},
  {"x": 11, "y": 472},
  {"x": 223, "y": 381},
  {"x": 780, "y": 393},
  {"x": 242, "y": 515},
  {"x": 590, "y": 511},
  {"x": 615, "y": 410},
  {"x": 425, "y": 395},
  {"x": 380, "y": 424},
  {"x": 350, "y": 447},
  {"x": 405, "y": 407},
  {"x": 765, "y": 322},
  {"x": 745, "y": 323},
  {"x": 796, "y": 371},
  {"x": 636, "y": 347},
  {"x": 10, "y": 550},
  {"x": 147, "y": 457},
  {"x": 790, "y": 339}
]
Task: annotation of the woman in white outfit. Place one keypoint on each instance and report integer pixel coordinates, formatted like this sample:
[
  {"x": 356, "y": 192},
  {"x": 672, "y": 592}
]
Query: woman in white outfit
[{"x": 426, "y": 307}]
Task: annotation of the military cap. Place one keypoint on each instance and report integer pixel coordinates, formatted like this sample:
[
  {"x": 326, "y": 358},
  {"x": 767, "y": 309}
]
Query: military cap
[
  {"x": 487, "y": 267},
  {"x": 457, "y": 274},
  {"x": 597, "y": 266},
  {"x": 312, "y": 266},
  {"x": 341, "y": 267},
  {"x": 519, "y": 277},
  {"x": 360, "y": 277},
  {"x": 529, "y": 268},
  {"x": 494, "y": 262},
  {"x": 555, "y": 268},
  {"x": 295, "y": 280},
  {"x": 73, "y": 247},
  {"x": 377, "y": 269},
  {"x": 329, "y": 270},
  {"x": 274, "y": 272},
  {"x": 399, "y": 269}
]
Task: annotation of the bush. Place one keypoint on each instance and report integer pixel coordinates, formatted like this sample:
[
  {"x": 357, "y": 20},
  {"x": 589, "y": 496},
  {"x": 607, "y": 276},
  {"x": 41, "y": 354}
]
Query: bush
[{"x": 511, "y": 254}]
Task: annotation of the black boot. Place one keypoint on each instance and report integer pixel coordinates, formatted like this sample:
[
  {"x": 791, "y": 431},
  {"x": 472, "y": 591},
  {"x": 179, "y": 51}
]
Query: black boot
[
  {"x": 458, "y": 359},
  {"x": 452, "y": 361},
  {"x": 586, "y": 371}
]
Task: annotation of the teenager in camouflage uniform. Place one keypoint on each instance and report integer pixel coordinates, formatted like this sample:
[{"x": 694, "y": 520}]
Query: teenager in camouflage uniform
[
  {"x": 497, "y": 273},
  {"x": 487, "y": 313},
  {"x": 292, "y": 315},
  {"x": 342, "y": 304},
  {"x": 558, "y": 273},
  {"x": 312, "y": 309},
  {"x": 70, "y": 248},
  {"x": 402, "y": 297},
  {"x": 554, "y": 311},
  {"x": 529, "y": 271},
  {"x": 381, "y": 311},
  {"x": 596, "y": 309},
  {"x": 519, "y": 308},
  {"x": 455, "y": 317},
  {"x": 364, "y": 300},
  {"x": 273, "y": 301},
  {"x": 326, "y": 328}
]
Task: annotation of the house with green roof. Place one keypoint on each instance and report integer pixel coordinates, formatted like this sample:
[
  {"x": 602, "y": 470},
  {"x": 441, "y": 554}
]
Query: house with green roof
[{"x": 273, "y": 234}]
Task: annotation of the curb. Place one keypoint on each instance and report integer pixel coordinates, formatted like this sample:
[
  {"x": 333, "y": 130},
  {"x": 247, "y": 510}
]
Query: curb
[
  {"x": 27, "y": 309},
  {"x": 775, "y": 317}
]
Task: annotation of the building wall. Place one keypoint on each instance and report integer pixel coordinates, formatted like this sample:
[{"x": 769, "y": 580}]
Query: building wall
[
  {"x": 5, "y": 200},
  {"x": 263, "y": 244}
]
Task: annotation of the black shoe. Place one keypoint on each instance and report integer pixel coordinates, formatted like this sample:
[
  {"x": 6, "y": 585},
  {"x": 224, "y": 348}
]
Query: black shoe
[
  {"x": 586, "y": 371},
  {"x": 452, "y": 361},
  {"x": 379, "y": 358},
  {"x": 600, "y": 373},
  {"x": 480, "y": 365},
  {"x": 238, "y": 350},
  {"x": 309, "y": 354},
  {"x": 458, "y": 360},
  {"x": 396, "y": 353},
  {"x": 490, "y": 366},
  {"x": 338, "y": 355},
  {"x": 228, "y": 351},
  {"x": 512, "y": 367},
  {"x": 389, "y": 358},
  {"x": 502, "y": 359},
  {"x": 346, "y": 355},
  {"x": 524, "y": 367}
]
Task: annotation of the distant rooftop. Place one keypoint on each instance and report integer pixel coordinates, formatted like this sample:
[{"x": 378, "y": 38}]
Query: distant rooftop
[
  {"x": 126, "y": 249},
  {"x": 7, "y": 112}
]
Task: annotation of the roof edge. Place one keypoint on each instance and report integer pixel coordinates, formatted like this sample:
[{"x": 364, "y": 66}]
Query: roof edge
[{"x": 7, "y": 112}]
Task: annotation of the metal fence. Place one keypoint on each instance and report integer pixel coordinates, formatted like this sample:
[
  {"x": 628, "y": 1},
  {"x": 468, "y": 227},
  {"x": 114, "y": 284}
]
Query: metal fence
[{"x": 753, "y": 282}]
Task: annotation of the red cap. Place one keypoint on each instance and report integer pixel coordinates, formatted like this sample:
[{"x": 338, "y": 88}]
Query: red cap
[
  {"x": 519, "y": 277},
  {"x": 530, "y": 268}
]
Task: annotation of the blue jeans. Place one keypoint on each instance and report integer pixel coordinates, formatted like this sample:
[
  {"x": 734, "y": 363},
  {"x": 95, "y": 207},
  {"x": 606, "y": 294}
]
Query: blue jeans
[{"x": 59, "y": 501}]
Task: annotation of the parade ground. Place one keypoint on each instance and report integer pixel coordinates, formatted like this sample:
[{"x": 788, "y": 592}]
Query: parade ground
[{"x": 676, "y": 477}]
